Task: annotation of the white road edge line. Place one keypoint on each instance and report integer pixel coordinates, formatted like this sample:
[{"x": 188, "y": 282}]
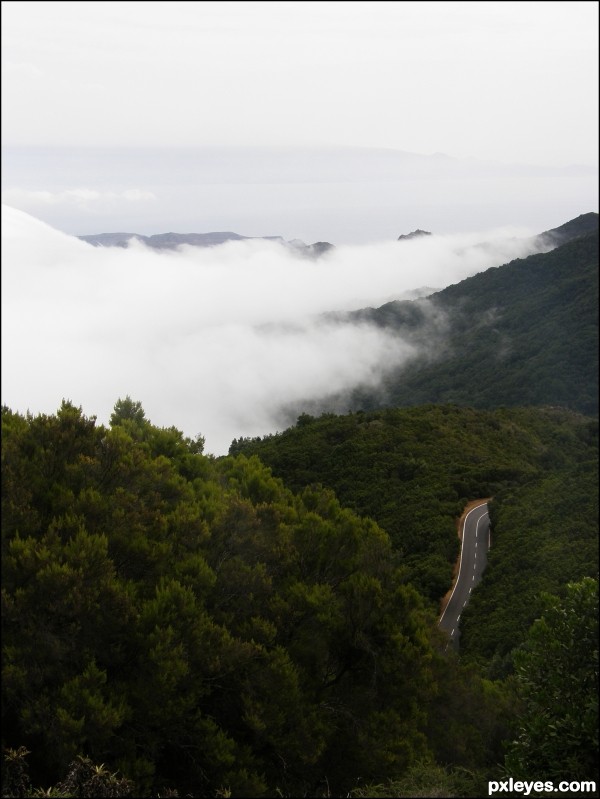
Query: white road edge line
[{"x": 461, "y": 551}]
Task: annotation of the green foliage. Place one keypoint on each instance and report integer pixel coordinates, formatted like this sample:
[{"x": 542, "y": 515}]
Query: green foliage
[
  {"x": 126, "y": 410},
  {"x": 84, "y": 779},
  {"x": 427, "y": 780},
  {"x": 557, "y": 678},
  {"x": 544, "y": 534},
  {"x": 414, "y": 469},
  {"x": 195, "y": 623},
  {"x": 15, "y": 773},
  {"x": 199, "y": 624}
]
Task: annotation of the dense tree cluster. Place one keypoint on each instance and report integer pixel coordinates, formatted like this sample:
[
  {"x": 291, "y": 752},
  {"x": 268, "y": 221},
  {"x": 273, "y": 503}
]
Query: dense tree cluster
[
  {"x": 545, "y": 535},
  {"x": 557, "y": 672},
  {"x": 200, "y": 626},
  {"x": 195, "y": 624},
  {"x": 414, "y": 469}
]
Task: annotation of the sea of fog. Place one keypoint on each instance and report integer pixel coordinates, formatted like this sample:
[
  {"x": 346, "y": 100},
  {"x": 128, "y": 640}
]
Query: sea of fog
[{"x": 217, "y": 341}]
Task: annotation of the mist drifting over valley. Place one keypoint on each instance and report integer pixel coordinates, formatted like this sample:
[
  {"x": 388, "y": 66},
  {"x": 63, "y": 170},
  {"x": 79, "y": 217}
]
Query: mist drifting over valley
[{"x": 218, "y": 341}]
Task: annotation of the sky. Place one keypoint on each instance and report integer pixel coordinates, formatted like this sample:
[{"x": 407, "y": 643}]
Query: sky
[
  {"x": 347, "y": 122},
  {"x": 506, "y": 81}
]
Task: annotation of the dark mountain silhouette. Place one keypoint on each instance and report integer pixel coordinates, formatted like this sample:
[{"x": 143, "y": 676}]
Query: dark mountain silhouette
[
  {"x": 415, "y": 234},
  {"x": 585, "y": 223}
]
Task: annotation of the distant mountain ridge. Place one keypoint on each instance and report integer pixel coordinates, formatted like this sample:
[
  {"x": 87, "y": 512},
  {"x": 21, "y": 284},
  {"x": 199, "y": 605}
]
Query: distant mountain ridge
[
  {"x": 415, "y": 234},
  {"x": 170, "y": 241},
  {"x": 167, "y": 241}
]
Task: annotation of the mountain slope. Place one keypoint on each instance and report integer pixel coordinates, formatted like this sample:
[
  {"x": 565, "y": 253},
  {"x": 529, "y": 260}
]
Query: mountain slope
[
  {"x": 413, "y": 470},
  {"x": 574, "y": 228},
  {"x": 524, "y": 333}
]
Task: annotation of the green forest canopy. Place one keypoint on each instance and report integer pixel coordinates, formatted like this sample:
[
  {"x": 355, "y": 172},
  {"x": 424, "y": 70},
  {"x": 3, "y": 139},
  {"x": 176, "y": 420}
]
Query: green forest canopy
[{"x": 200, "y": 623}]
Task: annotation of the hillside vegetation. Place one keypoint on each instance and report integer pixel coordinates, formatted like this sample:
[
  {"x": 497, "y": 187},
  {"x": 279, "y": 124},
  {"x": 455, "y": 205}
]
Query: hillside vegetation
[
  {"x": 414, "y": 469},
  {"x": 531, "y": 624},
  {"x": 545, "y": 534},
  {"x": 197, "y": 625},
  {"x": 525, "y": 333},
  {"x": 202, "y": 627}
]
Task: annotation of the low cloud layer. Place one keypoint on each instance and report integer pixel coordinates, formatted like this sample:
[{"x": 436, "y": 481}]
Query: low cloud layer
[{"x": 216, "y": 341}]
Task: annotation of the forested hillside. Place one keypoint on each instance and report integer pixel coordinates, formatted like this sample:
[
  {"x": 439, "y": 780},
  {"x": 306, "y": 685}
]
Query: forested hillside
[
  {"x": 525, "y": 333},
  {"x": 414, "y": 469},
  {"x": 531, "y": 624},
  {"x": 575, "y": 228},
  {"x": 204, "y": 629},
  {"x": 545, "y": 533},
  {"x": 198, "y": 626}
]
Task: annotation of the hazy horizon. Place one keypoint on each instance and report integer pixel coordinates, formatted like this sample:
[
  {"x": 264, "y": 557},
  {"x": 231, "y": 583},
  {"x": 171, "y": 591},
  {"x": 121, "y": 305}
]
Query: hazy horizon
[
  {"x": 344, "y": 195},
  {"x": 514, "y": 82}
]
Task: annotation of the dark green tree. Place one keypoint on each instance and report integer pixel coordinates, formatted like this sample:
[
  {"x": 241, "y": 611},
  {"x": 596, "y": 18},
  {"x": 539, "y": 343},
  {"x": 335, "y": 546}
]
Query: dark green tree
[{"x": 557, "y": 678}]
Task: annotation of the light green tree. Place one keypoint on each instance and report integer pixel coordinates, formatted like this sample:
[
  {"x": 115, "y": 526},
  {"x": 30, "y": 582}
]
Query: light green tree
[{"x": 128, "y": 409}]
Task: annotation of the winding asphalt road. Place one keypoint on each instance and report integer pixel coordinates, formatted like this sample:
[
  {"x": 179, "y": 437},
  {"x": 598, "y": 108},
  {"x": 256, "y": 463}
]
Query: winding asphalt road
[{"x": 473, "y": 558}]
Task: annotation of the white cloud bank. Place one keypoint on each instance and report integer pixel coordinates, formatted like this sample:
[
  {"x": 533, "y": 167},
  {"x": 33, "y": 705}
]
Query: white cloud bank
[{"x": 214, "y": 341}]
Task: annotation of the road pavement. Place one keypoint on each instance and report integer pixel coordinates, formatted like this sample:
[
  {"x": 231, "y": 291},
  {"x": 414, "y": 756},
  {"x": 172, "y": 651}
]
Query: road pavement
[{"x": 473, "y": 558}]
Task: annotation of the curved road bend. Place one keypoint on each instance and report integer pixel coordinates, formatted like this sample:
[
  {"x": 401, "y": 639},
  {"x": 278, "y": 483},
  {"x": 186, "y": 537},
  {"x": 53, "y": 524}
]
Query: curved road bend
[{"x": 473, "y": 558}]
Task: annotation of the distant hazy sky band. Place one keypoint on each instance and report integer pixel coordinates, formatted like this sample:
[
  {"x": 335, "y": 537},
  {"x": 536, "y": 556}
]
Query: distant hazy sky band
[
  {"x": 509, "y": 81},
  {"x": 340, "y": 195}
]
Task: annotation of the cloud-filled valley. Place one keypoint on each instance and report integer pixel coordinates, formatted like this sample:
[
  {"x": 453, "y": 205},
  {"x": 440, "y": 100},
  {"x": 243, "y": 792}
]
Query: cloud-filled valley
[{"x": 217, "y": 341}]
